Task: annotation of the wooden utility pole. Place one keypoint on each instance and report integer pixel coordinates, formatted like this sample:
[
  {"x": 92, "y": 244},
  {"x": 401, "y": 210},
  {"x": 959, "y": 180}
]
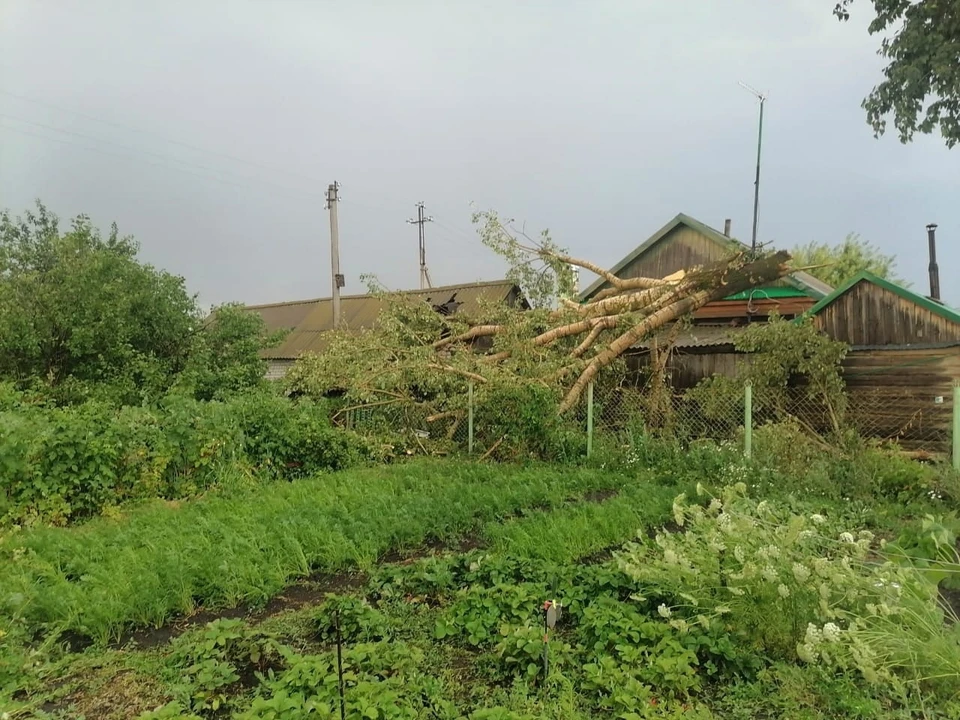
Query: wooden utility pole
[
  {"x": 332, "y": 198},
  {"x": 420, "y": 221}
]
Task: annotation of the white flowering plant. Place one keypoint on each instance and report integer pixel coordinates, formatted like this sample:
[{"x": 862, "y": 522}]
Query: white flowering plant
[{"x": 788, "y": 587}]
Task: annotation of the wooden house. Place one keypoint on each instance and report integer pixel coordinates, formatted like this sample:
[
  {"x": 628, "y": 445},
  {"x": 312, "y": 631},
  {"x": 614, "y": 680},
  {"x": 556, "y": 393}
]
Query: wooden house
[
  {"x": 707, "y": 346},
  {"x": 309, "y": 321},
  {"x": 904, "y": 359}
]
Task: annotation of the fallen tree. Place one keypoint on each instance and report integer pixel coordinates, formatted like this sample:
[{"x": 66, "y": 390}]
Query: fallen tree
[{"x": 417, "y": 359}]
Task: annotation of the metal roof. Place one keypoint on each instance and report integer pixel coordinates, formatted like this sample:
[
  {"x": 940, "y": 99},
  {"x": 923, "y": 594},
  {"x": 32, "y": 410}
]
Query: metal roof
[
  {"x": 310, "y": 320},
  {"x": 700, "y": 336},
  {"x": 800, "y": 280}
]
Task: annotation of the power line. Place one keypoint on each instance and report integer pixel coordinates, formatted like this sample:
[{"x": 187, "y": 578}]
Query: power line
[
  {"x": 472, "y": 237},
  {"x": 101, "y": 151},
  {"x": 195, "y": 148},
  {"x": 135, "y": 150}
]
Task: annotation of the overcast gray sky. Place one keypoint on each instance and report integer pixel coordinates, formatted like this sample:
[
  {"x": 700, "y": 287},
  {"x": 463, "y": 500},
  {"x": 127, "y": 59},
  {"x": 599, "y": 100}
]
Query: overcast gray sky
[{"x": 599, "y": 120}]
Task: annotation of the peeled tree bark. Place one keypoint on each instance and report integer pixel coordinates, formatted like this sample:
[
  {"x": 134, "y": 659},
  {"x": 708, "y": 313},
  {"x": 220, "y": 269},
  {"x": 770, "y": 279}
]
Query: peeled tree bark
[{"x": 685, "y": 296}]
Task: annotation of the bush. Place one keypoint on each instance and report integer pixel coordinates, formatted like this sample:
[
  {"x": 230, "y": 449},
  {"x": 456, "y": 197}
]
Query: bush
[
  {"x": 795, "y": 587},
  {"x": 524, "y": 420},
  {"x": 60, "y": 464}
]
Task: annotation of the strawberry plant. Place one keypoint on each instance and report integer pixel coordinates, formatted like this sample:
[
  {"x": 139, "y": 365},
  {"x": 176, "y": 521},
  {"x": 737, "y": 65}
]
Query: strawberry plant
[
  {"x": 479, "y": 612},
  {"x": 520, "y": 652}
]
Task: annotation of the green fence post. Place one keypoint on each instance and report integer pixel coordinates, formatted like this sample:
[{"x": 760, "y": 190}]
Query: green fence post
[
  {"x": 470, "y": 418},
  {"x": 956, "y": 426},
  {"x": 589, "y": 419},
  {"x": 748, "y": 421}
]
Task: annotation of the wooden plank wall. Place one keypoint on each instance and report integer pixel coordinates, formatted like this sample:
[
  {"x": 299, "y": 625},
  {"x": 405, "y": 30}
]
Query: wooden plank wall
[
  {"x": 681, "y": 249},
  {"x": 871, "y": 315},
  {"x": 685, "y": 370},
  {"x": 893, "y": 394}
]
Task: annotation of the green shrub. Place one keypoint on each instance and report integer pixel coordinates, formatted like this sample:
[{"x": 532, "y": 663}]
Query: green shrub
[
  {"x": 357, "y": 621},
  {"x": 795, "y": 587},
  {"x": 523, "y": 419},
  {"x": 61, "y": 464}
]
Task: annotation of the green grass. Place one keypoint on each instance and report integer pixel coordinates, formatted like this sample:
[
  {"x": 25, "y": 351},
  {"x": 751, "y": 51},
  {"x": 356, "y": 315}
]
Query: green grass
[
  {"x": 162, "y": 560},
  {"x": 569, "y": 533}
]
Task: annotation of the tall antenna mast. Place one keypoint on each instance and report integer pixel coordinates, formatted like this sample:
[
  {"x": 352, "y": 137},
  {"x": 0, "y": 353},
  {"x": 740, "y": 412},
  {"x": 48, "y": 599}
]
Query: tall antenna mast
[
  {"x": 756, "y": 185},
  {"x": 420, "y": 221}
]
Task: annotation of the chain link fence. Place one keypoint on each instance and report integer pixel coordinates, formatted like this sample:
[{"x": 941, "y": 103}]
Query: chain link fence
[{"x": 618, "y": 410}]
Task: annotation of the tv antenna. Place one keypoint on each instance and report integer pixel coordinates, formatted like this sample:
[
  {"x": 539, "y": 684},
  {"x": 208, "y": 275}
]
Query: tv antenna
[{"x": 762, "y": 98}]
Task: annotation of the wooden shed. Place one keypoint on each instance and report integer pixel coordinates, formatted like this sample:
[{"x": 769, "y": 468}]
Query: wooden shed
[
  {"x": 707, "y": 348},
  {"x": 904, "y": 359}
]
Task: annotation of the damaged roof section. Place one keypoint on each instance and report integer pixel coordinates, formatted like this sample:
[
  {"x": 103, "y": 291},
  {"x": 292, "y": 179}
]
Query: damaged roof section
[{"x": 309, "y": 321}]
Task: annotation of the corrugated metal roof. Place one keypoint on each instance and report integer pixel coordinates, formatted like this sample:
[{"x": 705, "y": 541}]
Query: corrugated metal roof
[
  {"x": 699, "y": 337},
  {"x": 310, "y": 320}
]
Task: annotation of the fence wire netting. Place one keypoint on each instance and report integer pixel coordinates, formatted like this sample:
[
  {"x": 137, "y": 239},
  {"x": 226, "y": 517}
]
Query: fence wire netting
[{"x": 623, "y": 410}]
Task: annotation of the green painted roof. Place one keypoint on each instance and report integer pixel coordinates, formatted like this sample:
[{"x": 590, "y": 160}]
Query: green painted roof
[
  {"x": 865, "y": 276},
  {"x": 806, "y": 283},
  {"x": 767, "y": 292}
]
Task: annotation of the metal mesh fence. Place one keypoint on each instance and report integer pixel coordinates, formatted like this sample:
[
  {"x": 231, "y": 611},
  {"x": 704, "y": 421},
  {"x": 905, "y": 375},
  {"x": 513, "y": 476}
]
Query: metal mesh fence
[{"x": 923, "y": 426}]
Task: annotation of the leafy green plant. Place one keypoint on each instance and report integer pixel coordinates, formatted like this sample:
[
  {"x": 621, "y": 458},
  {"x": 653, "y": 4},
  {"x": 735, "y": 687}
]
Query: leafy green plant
[
  {"x": 932, "y": 548},
  {"x": 210, "y": 661},
  {"x": 520, "y": 652},
  {"x": 425, "y": 578},
  {"x": 357, "y": 621},
  {"x": 170, "y": 711},
  {"x": 793, "y": 587},
  {"x": 381, "y": 683},
  {"x": 478, "y": 613}
]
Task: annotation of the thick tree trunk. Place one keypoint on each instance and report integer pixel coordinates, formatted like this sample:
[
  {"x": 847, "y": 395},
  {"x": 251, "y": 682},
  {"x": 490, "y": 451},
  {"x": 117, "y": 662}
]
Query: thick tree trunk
[{"x": 718, "y": 282}]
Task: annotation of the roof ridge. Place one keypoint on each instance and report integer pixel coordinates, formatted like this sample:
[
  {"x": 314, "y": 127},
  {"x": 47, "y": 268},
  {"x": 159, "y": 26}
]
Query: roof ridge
[
  {"x": 799, "y": 279},
  {"x": 416, "y": 291},
  {"x": 934, "y": 306}
]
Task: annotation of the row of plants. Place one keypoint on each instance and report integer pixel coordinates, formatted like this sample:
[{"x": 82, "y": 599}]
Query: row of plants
[
  {"x": 467, "y": 599},
  {"x": 61, "y": 464},
  {"x": 160, "y": 560},
  {"x": 751, "y": 610}
]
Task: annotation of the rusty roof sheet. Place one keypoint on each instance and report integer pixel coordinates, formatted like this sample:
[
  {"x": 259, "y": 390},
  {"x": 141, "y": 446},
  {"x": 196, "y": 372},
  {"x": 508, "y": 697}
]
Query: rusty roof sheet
[
  {"x": 310, "y": 320},
  {"x": 701, "y": 336}
]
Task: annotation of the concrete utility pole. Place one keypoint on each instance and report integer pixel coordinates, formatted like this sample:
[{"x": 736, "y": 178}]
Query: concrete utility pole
[
  {"x": 419, "y": 222},
  {"x": 333, "y": 197},
  {"x": 756, "y": 185}
]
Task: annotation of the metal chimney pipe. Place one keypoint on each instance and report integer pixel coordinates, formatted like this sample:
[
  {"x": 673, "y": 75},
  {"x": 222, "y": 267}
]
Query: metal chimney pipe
[
  {"x": 934, "y": 270},
  {"x": 726, "y": 227}
]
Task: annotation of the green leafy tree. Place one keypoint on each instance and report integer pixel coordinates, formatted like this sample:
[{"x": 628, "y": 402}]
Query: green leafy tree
[
  {"x": 921, "y": 81},
  {"x": 225, "y": 357},
  {"x": 835, "y": 264},
  {"x": 78, "y": 310},
  {"x": 539, "y": 266}
]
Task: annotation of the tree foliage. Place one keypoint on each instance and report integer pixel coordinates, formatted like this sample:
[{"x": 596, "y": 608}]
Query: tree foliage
[
  {"x": 77, "y": 308},
  {"x": 536, "y": 266},
  {"x": 836, "y": 264},
  {"x": 785, "y": 362},
  {"x": 224, "y": 358},
  {"x": 81, "y": 316},
  {"x": 417, "y": 358},
  {"x": 921, "y": 81}
]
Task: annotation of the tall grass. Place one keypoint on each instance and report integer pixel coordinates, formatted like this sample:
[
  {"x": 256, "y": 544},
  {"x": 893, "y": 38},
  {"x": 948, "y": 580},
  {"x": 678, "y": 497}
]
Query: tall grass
[
  {"x": 569, "y": 533},
  {"x": 163, "y": 560}
]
